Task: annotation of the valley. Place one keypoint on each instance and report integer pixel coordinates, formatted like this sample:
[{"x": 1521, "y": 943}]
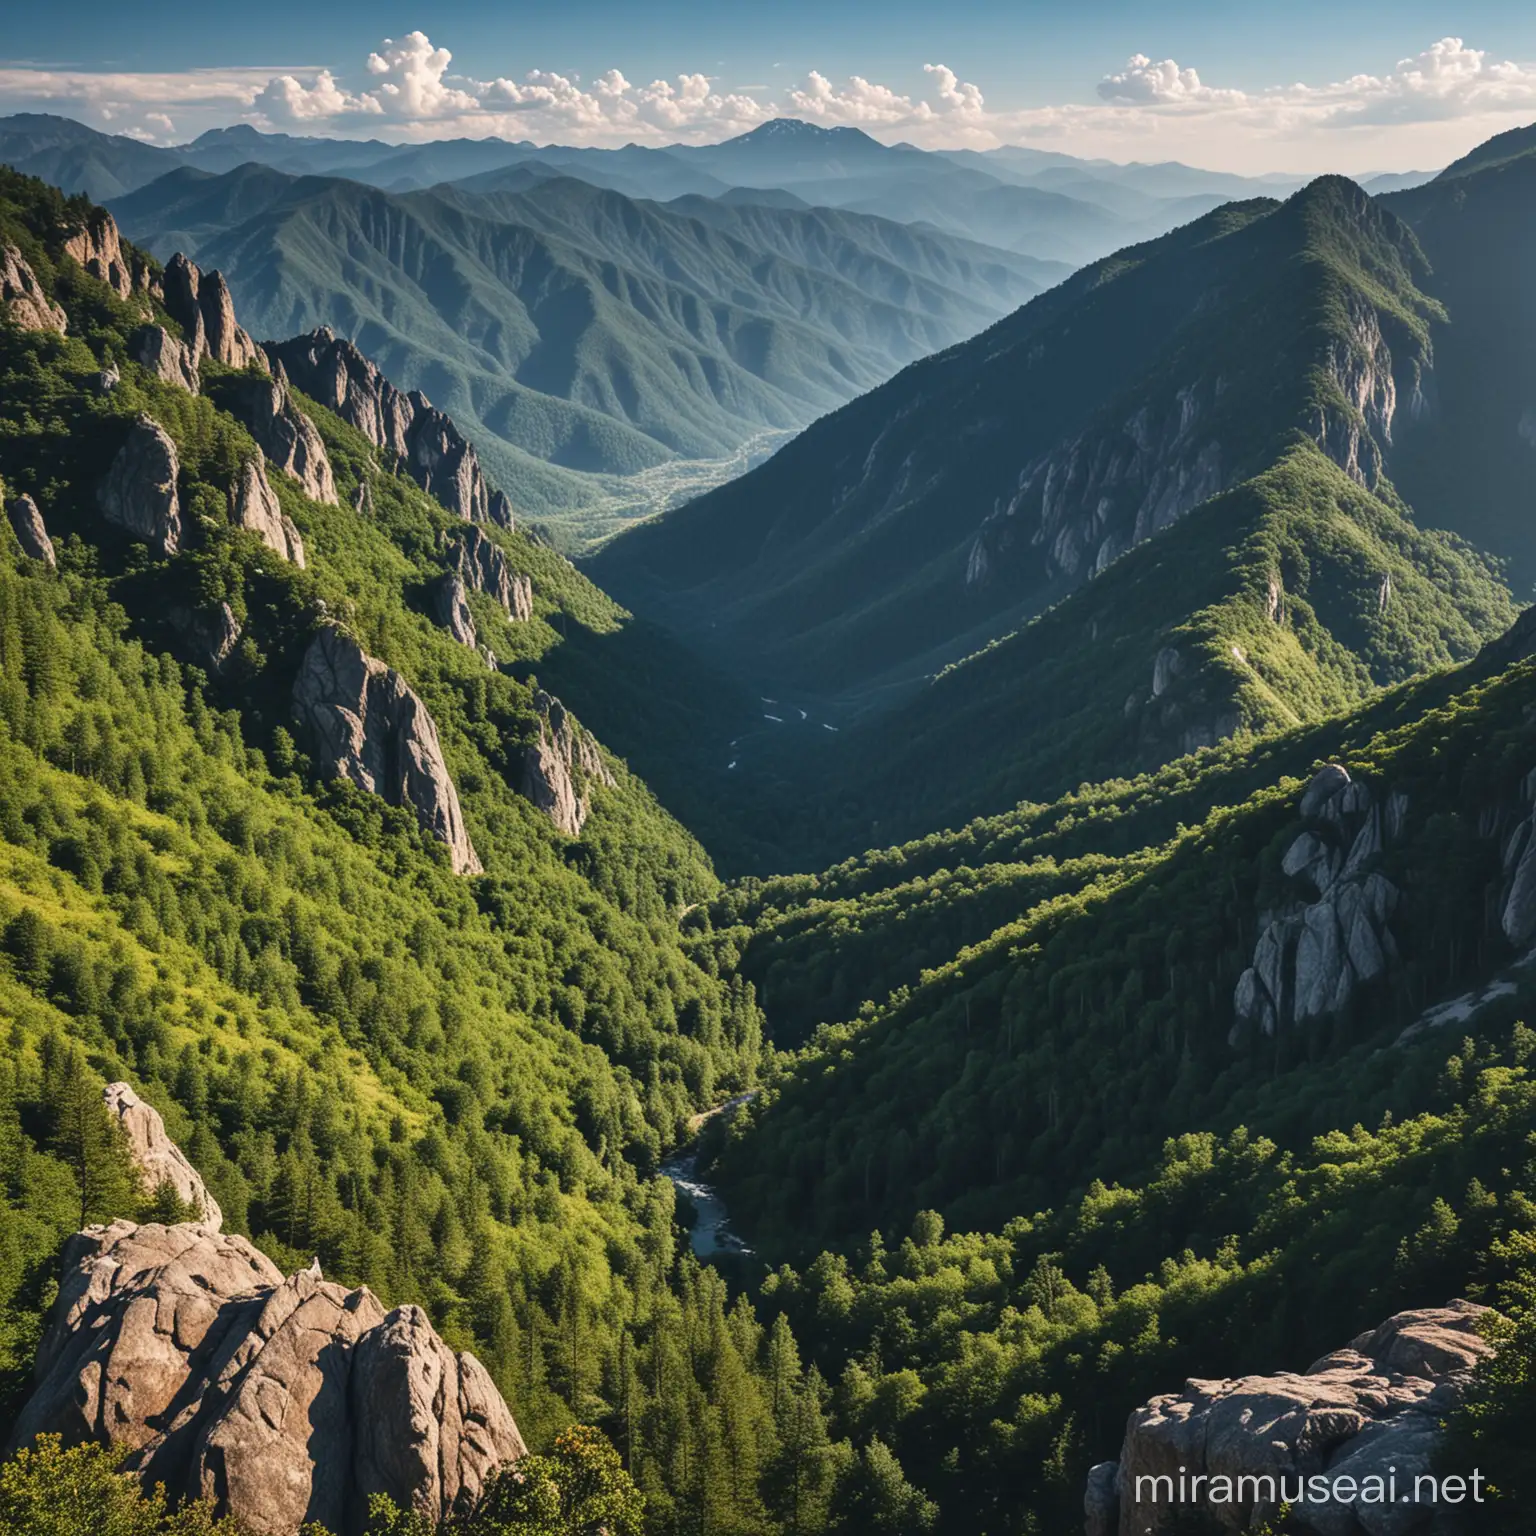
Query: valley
[{"x": 798, "y": 837}]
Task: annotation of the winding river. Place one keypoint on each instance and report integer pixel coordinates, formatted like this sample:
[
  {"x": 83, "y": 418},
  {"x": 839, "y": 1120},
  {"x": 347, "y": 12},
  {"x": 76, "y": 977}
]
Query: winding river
[{"x": 711, "y": 1228}]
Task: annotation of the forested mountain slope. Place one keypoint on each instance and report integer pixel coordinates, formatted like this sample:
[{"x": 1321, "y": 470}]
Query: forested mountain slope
[{"x": 568, "y": 328}]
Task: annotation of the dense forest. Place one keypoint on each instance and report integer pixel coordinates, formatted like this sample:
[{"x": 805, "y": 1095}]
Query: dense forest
[{"x": 1009, "y": 1168}]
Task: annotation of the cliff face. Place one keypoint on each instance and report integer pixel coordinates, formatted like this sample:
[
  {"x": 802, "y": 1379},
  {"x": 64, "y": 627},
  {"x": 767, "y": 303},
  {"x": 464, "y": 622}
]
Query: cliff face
[
  {"x": 288, "y": 438},
  {"x": 98, "y": 247},
  {"x": 22, "y": 300},
  {"x": 479, "y": 560},
  {"x": 561, "y": 766},
  {"x": 201, "y": 305},
  {"x": 364, "y": 723},
  {"x": 31, "y": 532},
  {"x": 437, "y": 455},
  {"x": 140, "y": 492},
  {"x": 254, "y": 506},
  {"x": 283, "y": 1400},
  {"x": 1371, "y": 1409},
  {"x": 167, "y": 358}
]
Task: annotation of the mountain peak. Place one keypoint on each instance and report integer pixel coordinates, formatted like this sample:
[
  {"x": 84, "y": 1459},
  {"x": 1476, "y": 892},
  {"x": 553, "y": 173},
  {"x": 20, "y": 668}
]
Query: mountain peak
[{"x": 795, "y": 130}]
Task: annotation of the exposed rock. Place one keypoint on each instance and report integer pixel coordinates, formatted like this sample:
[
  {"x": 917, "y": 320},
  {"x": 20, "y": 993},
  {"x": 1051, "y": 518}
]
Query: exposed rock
[
  {"x": 443, "y": 463},
  {"x": 367, "y": 725},
  {"x": 480, "y": 561},
  {"x": 552, "y": 764},
  {"x": 1517, "y": 911},
  {"x": 440, "y": 459},
  {"x": 1361, "y": 368},
  {"x": 362, "y": 500},
  {"x": 283, "y": 1400},
  {"x": 1374, "y": 1405},
  {"x": 164, "y": 356},
  {"x": 22, "y": 300},
  {"x": 450, "y": 608},
  {"x": 434, "y": 1428},
  {"x": 211, "y": 633},
  {"x": 139, "y": 492},
  {"x": 1166, "y": 666},
  {"x": 336, "y": 375},
  {"x": 108, "y": 379},
  {"x": 284, "y": 433},
  {"x": 253, "y": 505},
  {"x": 158, "y": 1158},
  {"x": 200, "y": 303},
  {"x": 1311, "y": 957},
  {"x": 99, "y": 249},
  {"x": 1101, "y": 1500},
  {"x": 31, "y": 532}
]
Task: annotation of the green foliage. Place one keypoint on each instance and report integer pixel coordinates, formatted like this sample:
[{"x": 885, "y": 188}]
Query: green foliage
[{"x": 46, "y": 1490}]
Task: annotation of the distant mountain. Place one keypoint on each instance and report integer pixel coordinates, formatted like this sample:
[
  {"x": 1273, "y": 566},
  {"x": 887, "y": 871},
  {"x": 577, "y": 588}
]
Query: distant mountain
[
  {"x": 67, "y": 154},
  {"x": 572, "y": 330},
  {"x": 1165, "y": 482}
]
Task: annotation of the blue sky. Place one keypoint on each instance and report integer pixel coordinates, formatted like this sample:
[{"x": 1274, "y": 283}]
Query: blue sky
[{"x": 1303, "y": 86}]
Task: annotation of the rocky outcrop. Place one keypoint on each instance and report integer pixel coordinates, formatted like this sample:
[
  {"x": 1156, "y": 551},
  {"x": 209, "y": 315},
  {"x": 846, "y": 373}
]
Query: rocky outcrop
[
  {"x": 1312, "y": 956},
  {"x": 288, "y": 438},
  {"x": 365, "y": 724},
  {"x": 200, "y": 303},
  {"x": 139, "y": 492},
  {"x": 167, "y": 358},
  {"x": 1517, "y": 905},
  {"x": 450, "y": 607},
  {"x": 1364, "y": 1411},
  {"x": 1356, "y": 427},
  {"x": 283, "y": 1400},
  {"x": 335, "y": 374},
  {"x": 99, "y": 249},
  {"x": 31, "y": 532},
  {"x": 211, "y": 634},
  {"x": 1089, "y": 500},
  {"x": 480, "y": 561},
  {"x": 22, "y": 300},
  {"x": 158, "y": 1159},
  {"x": 437, "y": 455},
  {"x": 253, "y": 505},
  {"x": 560, "y": 766}
]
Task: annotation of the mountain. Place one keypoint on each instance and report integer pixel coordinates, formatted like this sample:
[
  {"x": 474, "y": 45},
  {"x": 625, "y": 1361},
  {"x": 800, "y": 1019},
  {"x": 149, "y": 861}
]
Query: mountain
[
  {"x": 79, "y": 159},
  {"x": 576, "y": 333}
]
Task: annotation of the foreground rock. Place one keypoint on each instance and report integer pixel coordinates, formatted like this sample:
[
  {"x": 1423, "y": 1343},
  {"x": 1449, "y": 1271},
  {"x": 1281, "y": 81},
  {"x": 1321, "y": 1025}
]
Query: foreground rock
[
  {"x": 30, "y": 530},
  {"x": 139, "y": 492},
  {"x": 159, "y": 1160},
  {"x": 1361, "y": 1412},
  {"x": 560, "y": 766},
  {"x": 283, "y": 1400},
  {"x": 440, "y": 459},
  {"x": 365, "y": 724},
  {"x": 283, "y": 432},
  {"x": 200, "y": 303},
  {"x": 254, "y": 507}
]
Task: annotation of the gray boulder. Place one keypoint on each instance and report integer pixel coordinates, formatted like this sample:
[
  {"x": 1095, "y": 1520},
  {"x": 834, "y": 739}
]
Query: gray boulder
[
  {"x": 364, "y": 723},
  {"x": 156, "y": 349},
  {"x": 1376, "y": 1404},
  {"x": 284, "y": 434},
  {"x": 31, "y": 532},
  {"x": 158, "y": 1159},
  {"x": 254, "y": 506},
  {"x": 139, "y": 493},
  {"x": 22, "y": 300}
]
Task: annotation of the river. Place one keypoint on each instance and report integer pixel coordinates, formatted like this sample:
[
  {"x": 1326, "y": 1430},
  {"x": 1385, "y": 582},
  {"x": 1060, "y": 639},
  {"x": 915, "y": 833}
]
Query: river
[{"x": 712, "y": 1225}]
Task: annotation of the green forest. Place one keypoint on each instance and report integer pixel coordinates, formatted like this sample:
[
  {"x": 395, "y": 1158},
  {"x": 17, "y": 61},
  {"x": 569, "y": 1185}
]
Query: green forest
[{"x": 1006, "y": 1166}]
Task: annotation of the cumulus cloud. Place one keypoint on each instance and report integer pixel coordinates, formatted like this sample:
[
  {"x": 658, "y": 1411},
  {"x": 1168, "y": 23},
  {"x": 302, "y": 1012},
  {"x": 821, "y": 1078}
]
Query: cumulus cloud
[
  {"x": 1143, "y": 83},
  {"x": 411, "y": 80},
  {"x": 286, "y": 99}
]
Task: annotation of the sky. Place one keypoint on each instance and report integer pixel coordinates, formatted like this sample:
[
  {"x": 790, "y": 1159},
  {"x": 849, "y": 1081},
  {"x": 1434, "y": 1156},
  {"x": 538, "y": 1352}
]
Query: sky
[{"x": 1251, "y": 87}]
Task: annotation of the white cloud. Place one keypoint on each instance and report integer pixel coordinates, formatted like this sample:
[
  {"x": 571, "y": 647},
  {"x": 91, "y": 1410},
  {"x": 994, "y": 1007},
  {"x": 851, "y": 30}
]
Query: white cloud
[{"x": 1422, "y": 111}]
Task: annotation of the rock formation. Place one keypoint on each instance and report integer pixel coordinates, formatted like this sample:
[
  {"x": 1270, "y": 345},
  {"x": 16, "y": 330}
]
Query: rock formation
[
  {"x": 200, "y": 303},
  {"x": 440, "y": 459},
  {"x": 1373, "y": 1406},
  {"x": 139, "y": 492},
  {"x": 284, "y": 433},
  {"x": 211, "y": 634},
  {"x": 31, "y": 533},
  {"x": 158, "y": 1158},
  {"x": 100, "y": 251},
  {"x": 480, "y": 561},
  {"x": 164, "y": 356},
  {"x": 1360, "y": 368},
  {"x": 253, "y": 505},
  {"x": 1517, "y": 908},
  {"x": 22, "y": 300},
  {"x": 365, "y": 724},
  {"x": 552, "y": 765},
  {"x": 450, "y": 608},
  {"x": 285, "y": 1401},
  {"x": 1311, "y": 956}
]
